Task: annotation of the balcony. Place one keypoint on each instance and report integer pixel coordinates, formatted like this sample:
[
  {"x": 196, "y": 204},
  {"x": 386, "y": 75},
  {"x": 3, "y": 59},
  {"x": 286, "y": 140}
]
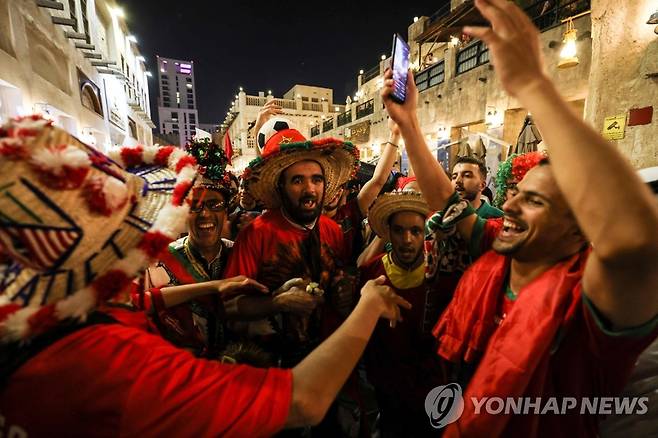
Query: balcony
[
  {"x": 286, "y": 103},
  {"x": 315, "y": 130},
  {"x": 365, "y": 109},
  {"x": 344, "y": 118},
  {"x": 312, "y": 106},
  {"x": 546, "y": 15},
  {"x": 256, "y": 101},
  {"x": 328, "y": 125}
]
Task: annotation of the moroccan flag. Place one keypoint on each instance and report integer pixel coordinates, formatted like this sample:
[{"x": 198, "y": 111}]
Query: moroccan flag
[{"x": 228, "y": 148}]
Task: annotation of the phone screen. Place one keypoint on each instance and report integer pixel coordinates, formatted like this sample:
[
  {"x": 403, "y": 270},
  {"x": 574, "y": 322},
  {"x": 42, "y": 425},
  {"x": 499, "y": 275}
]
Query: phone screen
[{"x": 400, "y": 66}]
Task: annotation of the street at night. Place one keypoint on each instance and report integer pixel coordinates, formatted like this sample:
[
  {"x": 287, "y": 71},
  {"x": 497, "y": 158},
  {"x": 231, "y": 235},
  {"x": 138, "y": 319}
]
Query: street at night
[{"x": 347, "y": 219}]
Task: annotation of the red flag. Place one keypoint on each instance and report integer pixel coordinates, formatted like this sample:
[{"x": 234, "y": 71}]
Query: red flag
[{"x": 228, "y": 148}]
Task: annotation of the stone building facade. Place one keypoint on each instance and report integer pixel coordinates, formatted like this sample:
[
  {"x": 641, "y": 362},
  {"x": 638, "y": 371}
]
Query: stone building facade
[{"x": 76, "y": 62}]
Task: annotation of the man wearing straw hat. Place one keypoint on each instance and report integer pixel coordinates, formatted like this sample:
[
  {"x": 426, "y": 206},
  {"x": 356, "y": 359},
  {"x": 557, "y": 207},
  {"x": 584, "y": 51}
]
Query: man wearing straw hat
[
  {"x": 73, "y": 360},
  {"x": 401, "y": 363},
  {"x": 292, "y": 240}
]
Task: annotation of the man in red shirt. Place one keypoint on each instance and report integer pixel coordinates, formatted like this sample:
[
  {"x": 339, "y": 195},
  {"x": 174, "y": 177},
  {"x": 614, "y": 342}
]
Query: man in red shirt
[
  {"x": 545, "y": 314},
  {"x": 401, "y": 363},
  {"x": 292, "y": 240},
  {"x": 76, "y": 362}
]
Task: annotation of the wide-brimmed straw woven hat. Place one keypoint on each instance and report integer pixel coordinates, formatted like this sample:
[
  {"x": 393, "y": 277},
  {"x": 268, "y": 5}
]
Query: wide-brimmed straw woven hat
[
  {"x": 339, "y": 161},
  {"x": 390, "y": 203},
  {"x": 75, "y": 227}
]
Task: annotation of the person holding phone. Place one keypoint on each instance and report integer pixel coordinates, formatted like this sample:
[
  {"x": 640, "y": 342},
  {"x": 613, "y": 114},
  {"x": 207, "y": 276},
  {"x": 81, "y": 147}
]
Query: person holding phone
[{"x": 563, "y": 297}]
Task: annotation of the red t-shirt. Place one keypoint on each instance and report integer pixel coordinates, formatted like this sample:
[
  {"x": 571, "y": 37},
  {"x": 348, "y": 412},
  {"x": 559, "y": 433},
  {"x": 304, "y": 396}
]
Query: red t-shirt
[
  {"x": 401, "y": 361},
  {"x": 272, "y": 251},
  {"x": 349, "y": 217},
  {"x": 118, "y": 380},
  {"x": 269, "y": 250},
  {"x": 586, "y": 360}
]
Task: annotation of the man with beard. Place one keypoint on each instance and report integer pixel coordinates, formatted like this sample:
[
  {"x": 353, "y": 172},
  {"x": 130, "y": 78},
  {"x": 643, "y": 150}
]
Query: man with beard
[
  {"x": 292, "y": 240},
  {"x": 401, "y": 363},
  {"x": 545, "y": 314},
  {"x": 469, "y": 178}
]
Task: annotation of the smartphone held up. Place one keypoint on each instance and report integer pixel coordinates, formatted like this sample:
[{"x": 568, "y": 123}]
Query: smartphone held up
[{"x": 400, "y": 67}]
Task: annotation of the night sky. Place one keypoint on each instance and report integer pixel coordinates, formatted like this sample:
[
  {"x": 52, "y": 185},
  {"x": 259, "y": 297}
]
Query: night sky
[{"x": 268, "y": 45}]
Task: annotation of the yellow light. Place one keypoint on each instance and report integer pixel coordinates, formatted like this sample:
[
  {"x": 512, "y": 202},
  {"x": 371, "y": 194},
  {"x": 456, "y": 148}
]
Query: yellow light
[
  {"x": 568, "y": 53},
  {"x": 415, "y": 19},
  {"x": 383, "y": 57},
  {"x": 361, "y": 71}
]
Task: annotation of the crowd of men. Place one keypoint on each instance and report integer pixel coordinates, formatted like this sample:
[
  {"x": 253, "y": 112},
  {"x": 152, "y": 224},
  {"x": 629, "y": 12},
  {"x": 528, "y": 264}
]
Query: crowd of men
[{"x": 153, "y": 293}]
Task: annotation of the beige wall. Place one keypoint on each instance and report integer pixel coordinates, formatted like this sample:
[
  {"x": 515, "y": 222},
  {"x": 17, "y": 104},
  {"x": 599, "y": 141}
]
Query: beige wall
[{"x": 625, "y": 50}]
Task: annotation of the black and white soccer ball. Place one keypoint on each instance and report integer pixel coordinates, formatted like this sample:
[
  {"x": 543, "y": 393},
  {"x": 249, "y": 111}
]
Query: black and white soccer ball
[{"x": 271, "y": 127}]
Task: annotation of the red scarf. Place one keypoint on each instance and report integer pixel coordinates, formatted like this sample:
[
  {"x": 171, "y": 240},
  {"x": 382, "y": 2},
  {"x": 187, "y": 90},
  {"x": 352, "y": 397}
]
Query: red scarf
[{"x": 516, "y": 353}]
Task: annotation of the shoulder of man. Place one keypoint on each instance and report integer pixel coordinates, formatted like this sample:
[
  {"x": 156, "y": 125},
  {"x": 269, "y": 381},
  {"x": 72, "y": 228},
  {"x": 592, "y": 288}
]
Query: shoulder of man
[{"x": 177, "y": 245}]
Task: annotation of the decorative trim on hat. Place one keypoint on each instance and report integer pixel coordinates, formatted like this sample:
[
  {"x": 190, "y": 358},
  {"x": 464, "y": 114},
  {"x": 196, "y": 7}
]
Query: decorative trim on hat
[
  {"x": 20, "y": 323},
  {"x": 339, "y": 161},
  {"x": 390, "y": 203}
]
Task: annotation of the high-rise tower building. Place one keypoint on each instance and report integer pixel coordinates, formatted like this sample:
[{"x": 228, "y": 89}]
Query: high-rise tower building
[{"x": 177, "y": 101}]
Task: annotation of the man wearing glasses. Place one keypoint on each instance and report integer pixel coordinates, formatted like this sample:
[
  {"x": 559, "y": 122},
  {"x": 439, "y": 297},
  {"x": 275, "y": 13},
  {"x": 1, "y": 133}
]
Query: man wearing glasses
[{"x": 181, "y": 292}]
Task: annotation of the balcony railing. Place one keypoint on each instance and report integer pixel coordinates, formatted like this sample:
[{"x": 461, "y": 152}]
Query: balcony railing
[
  {"x": 371, "y": 73},
  {"x": 472, "y": 56},
  {"x": 431, "y": 76},
  {"x": 286, "y": 103},
  {"x": 312, "y": 106},
  {"x": 315, "y": 130},
  {"x": 547, "y": 14},
  {"x": 256, "y": 100},
  {"x": 328, "y": 125},
  {"x": 344, "y": 118},
  {"x": 365, "y": 109}
]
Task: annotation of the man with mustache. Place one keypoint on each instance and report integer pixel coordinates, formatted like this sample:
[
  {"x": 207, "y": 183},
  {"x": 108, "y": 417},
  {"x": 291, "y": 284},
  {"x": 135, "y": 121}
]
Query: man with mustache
[
  {"x": 292, "y": 240},
  {"x": 469, "y": 178},
  {"x": 401, "y": 363},
  {"x": 562, "y": 298}
]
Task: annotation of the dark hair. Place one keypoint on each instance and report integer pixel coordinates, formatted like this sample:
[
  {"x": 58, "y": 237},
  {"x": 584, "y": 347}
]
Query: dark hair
[
  {"x": 472, "y": 160},
  {"x": 544, "y": 162}
]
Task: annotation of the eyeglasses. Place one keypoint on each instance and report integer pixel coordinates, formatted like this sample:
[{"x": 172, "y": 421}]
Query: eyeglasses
[{"x": 215, "y": 205}]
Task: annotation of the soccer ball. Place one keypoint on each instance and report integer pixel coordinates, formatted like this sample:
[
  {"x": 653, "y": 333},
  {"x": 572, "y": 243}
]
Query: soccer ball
[{"x": 271, "y": 127}]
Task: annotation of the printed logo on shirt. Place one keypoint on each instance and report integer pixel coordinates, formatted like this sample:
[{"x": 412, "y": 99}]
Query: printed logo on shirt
[{"x": 444, "y": 405}]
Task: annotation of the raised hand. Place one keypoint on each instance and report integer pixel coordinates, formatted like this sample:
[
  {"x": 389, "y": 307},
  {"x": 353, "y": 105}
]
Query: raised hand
[
  {"x": 382, "y": 297},
  {"x": 513, "y": 42},
  {"x": 269, "y": 109},
  {"x": 404, "y": 114}
]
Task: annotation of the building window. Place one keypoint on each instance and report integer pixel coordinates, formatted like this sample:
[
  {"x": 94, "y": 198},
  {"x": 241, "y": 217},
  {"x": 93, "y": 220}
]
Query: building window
[
  {"x": 133, "y": 128},
  {"x": 90, "y": 94},
  {"x": 472, "y": 56},
  {"x": 431, "y": 76}
]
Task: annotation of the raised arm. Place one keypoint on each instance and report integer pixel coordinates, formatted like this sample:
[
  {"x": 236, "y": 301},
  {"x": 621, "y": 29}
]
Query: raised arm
[
  {"x": 371, "y": 189},
  {"x": 319, "y": 377},
  {"x": 269, "y": 109},
  {"x": 621, "y": 278},
  {"x": 433, "y": 182}
]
